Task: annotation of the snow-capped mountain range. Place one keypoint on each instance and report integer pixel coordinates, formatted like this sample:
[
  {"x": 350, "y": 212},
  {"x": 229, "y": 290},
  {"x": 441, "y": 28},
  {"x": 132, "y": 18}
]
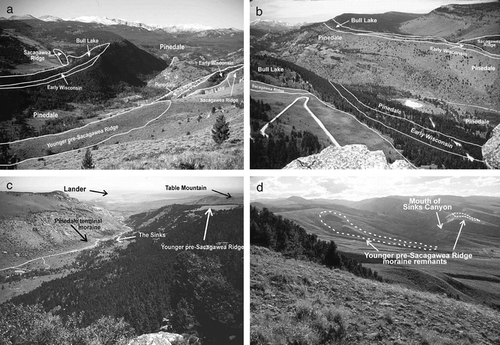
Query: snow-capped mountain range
[
  {"x": 113, "y": 21},
  {"x": 48, "y": 18},
  {"x": 274, "y": 25}
]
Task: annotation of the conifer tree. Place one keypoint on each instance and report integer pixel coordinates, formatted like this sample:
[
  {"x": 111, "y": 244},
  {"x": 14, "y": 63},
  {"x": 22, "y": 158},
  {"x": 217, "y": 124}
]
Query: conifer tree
[
  {"x": 220, "y": 131},
  {"x": 87, "y": 161}
]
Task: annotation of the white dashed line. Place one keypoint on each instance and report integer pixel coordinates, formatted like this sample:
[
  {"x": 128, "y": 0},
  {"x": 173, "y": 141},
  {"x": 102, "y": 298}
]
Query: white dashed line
[{"x": 398, "y": 243}]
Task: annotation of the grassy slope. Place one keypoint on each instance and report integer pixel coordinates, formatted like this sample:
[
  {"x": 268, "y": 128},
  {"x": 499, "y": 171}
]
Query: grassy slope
[
  {"x": 386, "y": 22},
  {"x": 38, "y": 147},
  {"x": 297, "y": 302},
  {"x": 165, "y": 143},
  {"x": 339, "y": 124},
  {"x": 456, "y": 22},
  {"x": 477, "y": 278},
  {"x": 161, "y": 152}
]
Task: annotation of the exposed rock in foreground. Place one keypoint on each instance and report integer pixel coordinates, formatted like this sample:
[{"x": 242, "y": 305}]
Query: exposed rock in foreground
[
  {"x": 347, "y": 157},
  {"x": 161, "y": 338},
  {"x": 491, "y": 150}
]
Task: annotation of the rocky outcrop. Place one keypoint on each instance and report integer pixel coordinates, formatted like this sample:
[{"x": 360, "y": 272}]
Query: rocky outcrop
[
  {"x": 347, "y": 157},
  {"x": 491, "y": 150},
  {"x": 177, "y": 74},
  {"x": 36, "y": 224},
  {"x": 161, "y": 338}
]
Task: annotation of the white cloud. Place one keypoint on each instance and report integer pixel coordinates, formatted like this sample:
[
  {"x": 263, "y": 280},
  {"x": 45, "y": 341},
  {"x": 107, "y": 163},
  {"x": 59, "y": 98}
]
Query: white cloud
[
  {"x": 486, "y": 181},
  {"x": 361, "y": 187}
]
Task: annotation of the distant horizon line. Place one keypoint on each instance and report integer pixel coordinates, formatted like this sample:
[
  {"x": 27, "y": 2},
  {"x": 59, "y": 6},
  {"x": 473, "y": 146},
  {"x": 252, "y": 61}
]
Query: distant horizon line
[
  {"x": 314, "y": 15},
  {"x": 370, "y": 197},
  {"x": 152, "y": 197},
  {"x": 159, "y": 26}
]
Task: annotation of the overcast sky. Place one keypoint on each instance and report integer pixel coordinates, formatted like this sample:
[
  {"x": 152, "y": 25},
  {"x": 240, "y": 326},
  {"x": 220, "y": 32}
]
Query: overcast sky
[
  {"x": 370, "y": 186},
  {"x": 123, "y": 188},
  {"x": 309, "y": 11},
  {"x": 214, "y": 13}
]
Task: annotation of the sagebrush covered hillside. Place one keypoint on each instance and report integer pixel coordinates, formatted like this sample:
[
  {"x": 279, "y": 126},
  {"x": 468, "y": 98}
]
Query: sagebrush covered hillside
[{"x": 300, "y": 302}]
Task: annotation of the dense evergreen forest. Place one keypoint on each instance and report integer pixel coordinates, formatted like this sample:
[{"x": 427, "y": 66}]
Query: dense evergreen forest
[
  {"x": 280, "y": 148},
  {"x": 6, "y": 156},
  {"x": 284, "y": 236},
  {"x": 418, "y": 153},
  {"x": 11, "y": 52},
  {"x": 187, "y": 291}
]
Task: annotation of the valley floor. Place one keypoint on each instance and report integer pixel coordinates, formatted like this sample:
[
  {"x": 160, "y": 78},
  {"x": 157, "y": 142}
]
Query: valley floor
[{"x": 52, "y": 266}]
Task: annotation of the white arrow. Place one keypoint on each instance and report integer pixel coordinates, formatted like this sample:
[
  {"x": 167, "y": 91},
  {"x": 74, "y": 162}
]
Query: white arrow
[
  {"x": 432, "y": 122},
  {"x": 208, "y": 213},
  {"x": 469, "y": 157},
  {"x": 369, "y": 243},
  {"x": 120, "y": 239},
  {"x": 62, "y": 75},
  {"x": 88, "y": 50},
  {"x": 227, "y": 79},
  {"x": 462, "y": 224},
  {"x": 234, "y": 81},
  {"x": 439, "y": 224},
  {"x": 457, "y": 143},
  {"x": 339, "y": 25}
]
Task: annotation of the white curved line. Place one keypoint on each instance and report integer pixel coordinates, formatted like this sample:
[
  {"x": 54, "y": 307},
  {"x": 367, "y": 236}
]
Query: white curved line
[
  {"x": 381, "y": 237},
  {"x": 91, "y": 145},
  {"x": 402, "y": 133},
  {"x": 405, "y": 119},
  {"x": 66, "y": 74},
  {"x": 455, "y": 45},
  {"x": 333, "y": 108},
  {"x": 64, "y": 253},
  {"x": 88, "y": 124},
  {"x": 202, "y": 80},
  {"x": 318, "y": 121},
  {"x": 215, "y": 86},
  {"x": 50, "y": 69}
]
